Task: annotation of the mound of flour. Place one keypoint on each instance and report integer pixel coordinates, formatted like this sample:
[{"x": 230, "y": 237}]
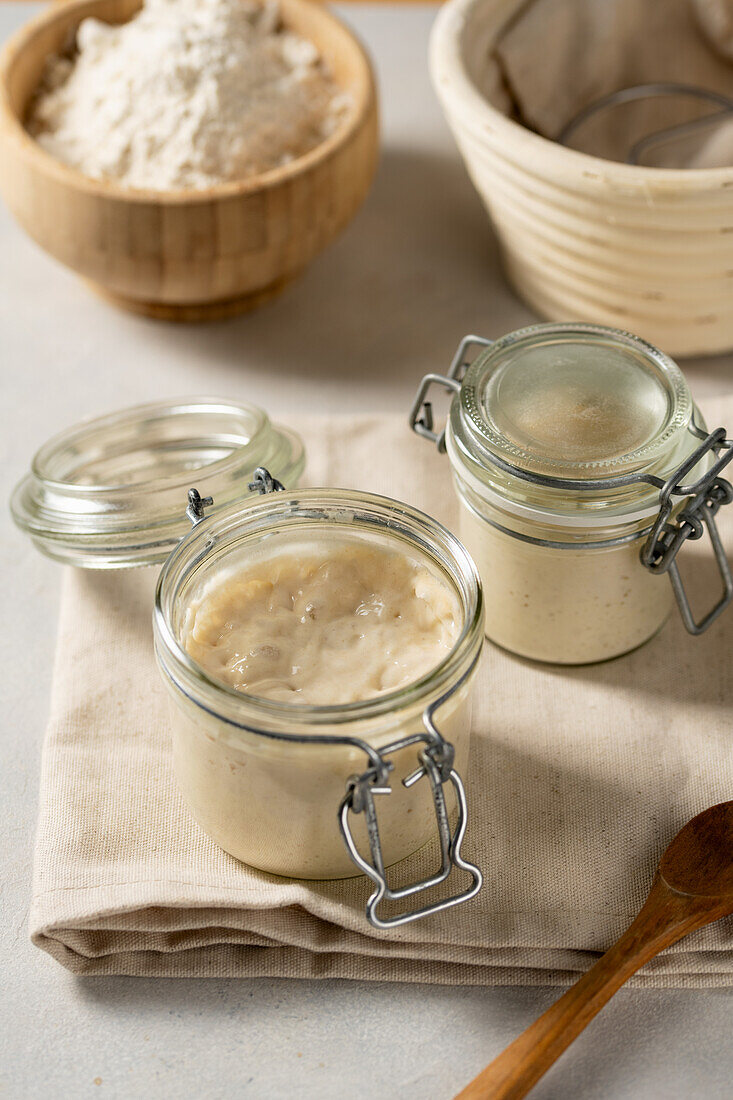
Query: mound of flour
[{"x": 188, "y": 94}]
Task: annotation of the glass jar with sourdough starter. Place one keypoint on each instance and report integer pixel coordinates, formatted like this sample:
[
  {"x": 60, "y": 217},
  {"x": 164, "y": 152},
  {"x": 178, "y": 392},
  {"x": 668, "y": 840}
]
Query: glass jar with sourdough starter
[
  {"x": 303, "y": 791},
  {"x": 581, "y": 466},
  {"x": 265, "y": 778}
]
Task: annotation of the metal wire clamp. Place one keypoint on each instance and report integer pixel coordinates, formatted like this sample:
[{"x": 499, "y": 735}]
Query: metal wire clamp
[
  {"x": 436, "y": 762},
  {"x": 263, "y": 482},
  {"x": 422, "y": 419},
  {"x": 667, "y": 536},
  {"x": 197, "y": 506}
]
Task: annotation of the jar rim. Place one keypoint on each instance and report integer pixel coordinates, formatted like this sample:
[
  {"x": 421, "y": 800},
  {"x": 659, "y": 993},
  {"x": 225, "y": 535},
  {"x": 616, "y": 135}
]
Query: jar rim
[
  {"x": 365, "y": 511},
  {"x": 618, "y": 483},
  {"x": 111, "y": 491},
  {"x": 509, "y": 348}
]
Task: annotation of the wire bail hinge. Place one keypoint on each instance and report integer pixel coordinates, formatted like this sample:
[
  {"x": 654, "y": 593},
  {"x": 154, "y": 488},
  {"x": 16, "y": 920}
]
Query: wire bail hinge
[
  {"x": 422, "y": 418},
  {"x": 196, "y": 506},
  {"x": 263, "y": 482},
  {"x": 705, "y": 497},
  {"x": 436, "y": 762}
]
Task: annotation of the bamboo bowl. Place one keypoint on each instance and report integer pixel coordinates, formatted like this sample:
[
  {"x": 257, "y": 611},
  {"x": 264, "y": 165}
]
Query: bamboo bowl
[
  {"x": 644, "y": 249},
  {"x": 186, "y": 255}
]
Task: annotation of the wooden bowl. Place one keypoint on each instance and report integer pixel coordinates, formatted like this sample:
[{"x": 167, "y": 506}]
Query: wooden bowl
[
  {"x": 187, "y": 255},
  {"x": 586, "y": 239}
]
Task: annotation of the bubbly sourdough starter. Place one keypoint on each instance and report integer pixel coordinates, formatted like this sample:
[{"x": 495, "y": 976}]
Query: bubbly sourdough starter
[
  {"x": 566, "y": 606},
  {"x": 324, "y": 628},
  {"x": 344, "y": 620}
]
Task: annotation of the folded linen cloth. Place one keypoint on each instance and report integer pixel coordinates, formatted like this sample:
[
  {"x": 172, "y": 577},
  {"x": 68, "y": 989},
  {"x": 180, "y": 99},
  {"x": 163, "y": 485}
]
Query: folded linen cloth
[
  {"x": 579, "y": 777},
  {"x": 558, "y": 56}
]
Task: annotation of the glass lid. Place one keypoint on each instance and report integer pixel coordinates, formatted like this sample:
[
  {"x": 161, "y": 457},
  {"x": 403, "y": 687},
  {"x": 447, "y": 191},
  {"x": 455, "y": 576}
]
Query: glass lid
[
  {"x": 576, "y": 401},
  {"x": 112, "y": 492},
  {"x": 573, "y": 418}
]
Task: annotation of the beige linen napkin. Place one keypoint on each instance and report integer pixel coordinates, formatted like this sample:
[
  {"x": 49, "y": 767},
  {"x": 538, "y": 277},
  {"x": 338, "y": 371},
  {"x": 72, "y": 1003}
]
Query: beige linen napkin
[
  {"x": 558, "y": 56},
  {"x": 578, "y": 779}
]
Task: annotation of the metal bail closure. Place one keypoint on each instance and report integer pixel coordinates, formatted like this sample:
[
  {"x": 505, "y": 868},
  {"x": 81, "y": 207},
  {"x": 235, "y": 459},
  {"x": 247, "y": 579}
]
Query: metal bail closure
[
  {"x": 196, "y": 506},
  {"x": 263, "y": 482},
  {"x": 436, "y": 762},
  {"x": 421, "y": 413},
  {"x": 705, "y": 496}
]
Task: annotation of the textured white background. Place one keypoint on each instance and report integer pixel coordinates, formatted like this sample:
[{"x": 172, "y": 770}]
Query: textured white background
[{"x": 416, "y": 270}]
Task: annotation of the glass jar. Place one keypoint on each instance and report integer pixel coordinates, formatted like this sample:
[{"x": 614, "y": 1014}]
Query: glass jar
[
  {"x": 269, "y": 781},
  {"x": 294, "y": 790},
  {"x": 581, "y": 465}
]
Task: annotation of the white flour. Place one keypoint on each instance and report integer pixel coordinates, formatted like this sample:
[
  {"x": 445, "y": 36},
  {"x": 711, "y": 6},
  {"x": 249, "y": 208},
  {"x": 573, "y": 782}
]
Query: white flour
[{"x": 188, "y": 94}]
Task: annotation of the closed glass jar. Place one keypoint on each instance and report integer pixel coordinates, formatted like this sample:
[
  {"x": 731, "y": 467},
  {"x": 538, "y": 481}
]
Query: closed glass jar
[
  {"x": 559, "y": 438},
  {"x": 265, "y": 779}
]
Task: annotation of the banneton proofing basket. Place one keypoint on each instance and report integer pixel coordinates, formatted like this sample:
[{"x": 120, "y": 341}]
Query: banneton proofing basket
[
  {"x": 294, "y": 790},
  {"x": 586, "y": 239}
]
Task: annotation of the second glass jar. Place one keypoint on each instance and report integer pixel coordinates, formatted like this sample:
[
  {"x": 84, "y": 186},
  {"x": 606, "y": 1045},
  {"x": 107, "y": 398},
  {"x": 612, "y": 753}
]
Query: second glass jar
[{"x": 560, "y": 440}]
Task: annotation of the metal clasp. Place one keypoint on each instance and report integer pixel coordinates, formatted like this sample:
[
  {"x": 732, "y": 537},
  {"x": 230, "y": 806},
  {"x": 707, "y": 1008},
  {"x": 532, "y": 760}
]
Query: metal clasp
[
  {"x": 436, "y": 762},
  {"x": 421, "y": 413},
  {"x": 706, "y": 495},
  {"x": 196, "y": 506},
  {"x": 263, "y": 482}
]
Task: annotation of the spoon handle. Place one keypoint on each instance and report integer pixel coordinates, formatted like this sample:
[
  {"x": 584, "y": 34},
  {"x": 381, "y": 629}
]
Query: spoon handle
[{"x": 665, "y": 918}]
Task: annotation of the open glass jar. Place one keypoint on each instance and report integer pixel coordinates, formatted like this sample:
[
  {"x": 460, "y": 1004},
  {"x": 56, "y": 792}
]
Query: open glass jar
[
  {"x": 265, "y": 779},
  {"x": 581, "y": 465},
  {"x": 294, "y": 790}
]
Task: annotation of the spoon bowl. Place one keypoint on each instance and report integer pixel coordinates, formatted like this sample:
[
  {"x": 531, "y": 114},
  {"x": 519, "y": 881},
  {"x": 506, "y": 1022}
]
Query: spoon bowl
[{"x": 699, "y": 861}]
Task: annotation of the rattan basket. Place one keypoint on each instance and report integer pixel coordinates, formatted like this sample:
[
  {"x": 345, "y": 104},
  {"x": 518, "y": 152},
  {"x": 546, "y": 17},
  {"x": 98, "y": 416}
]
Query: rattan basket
[{"x": 645, "y": 249}]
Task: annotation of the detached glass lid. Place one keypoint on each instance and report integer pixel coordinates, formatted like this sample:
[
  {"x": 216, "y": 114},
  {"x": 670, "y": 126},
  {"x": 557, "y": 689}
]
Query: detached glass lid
[
  {"x": 111, "y": 492},
  {"x": 576, "y": 402}
]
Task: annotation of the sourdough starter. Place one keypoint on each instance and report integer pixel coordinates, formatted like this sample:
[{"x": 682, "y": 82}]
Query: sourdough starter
[{"x": 324, "y": 628}]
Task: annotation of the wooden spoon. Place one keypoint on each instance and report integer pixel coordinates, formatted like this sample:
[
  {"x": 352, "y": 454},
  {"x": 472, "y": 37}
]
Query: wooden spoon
[{"x": 693, "y": 887}]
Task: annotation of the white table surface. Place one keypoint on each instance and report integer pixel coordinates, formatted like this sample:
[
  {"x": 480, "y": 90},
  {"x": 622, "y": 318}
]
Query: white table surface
[{"x": 416, "y": 270}]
